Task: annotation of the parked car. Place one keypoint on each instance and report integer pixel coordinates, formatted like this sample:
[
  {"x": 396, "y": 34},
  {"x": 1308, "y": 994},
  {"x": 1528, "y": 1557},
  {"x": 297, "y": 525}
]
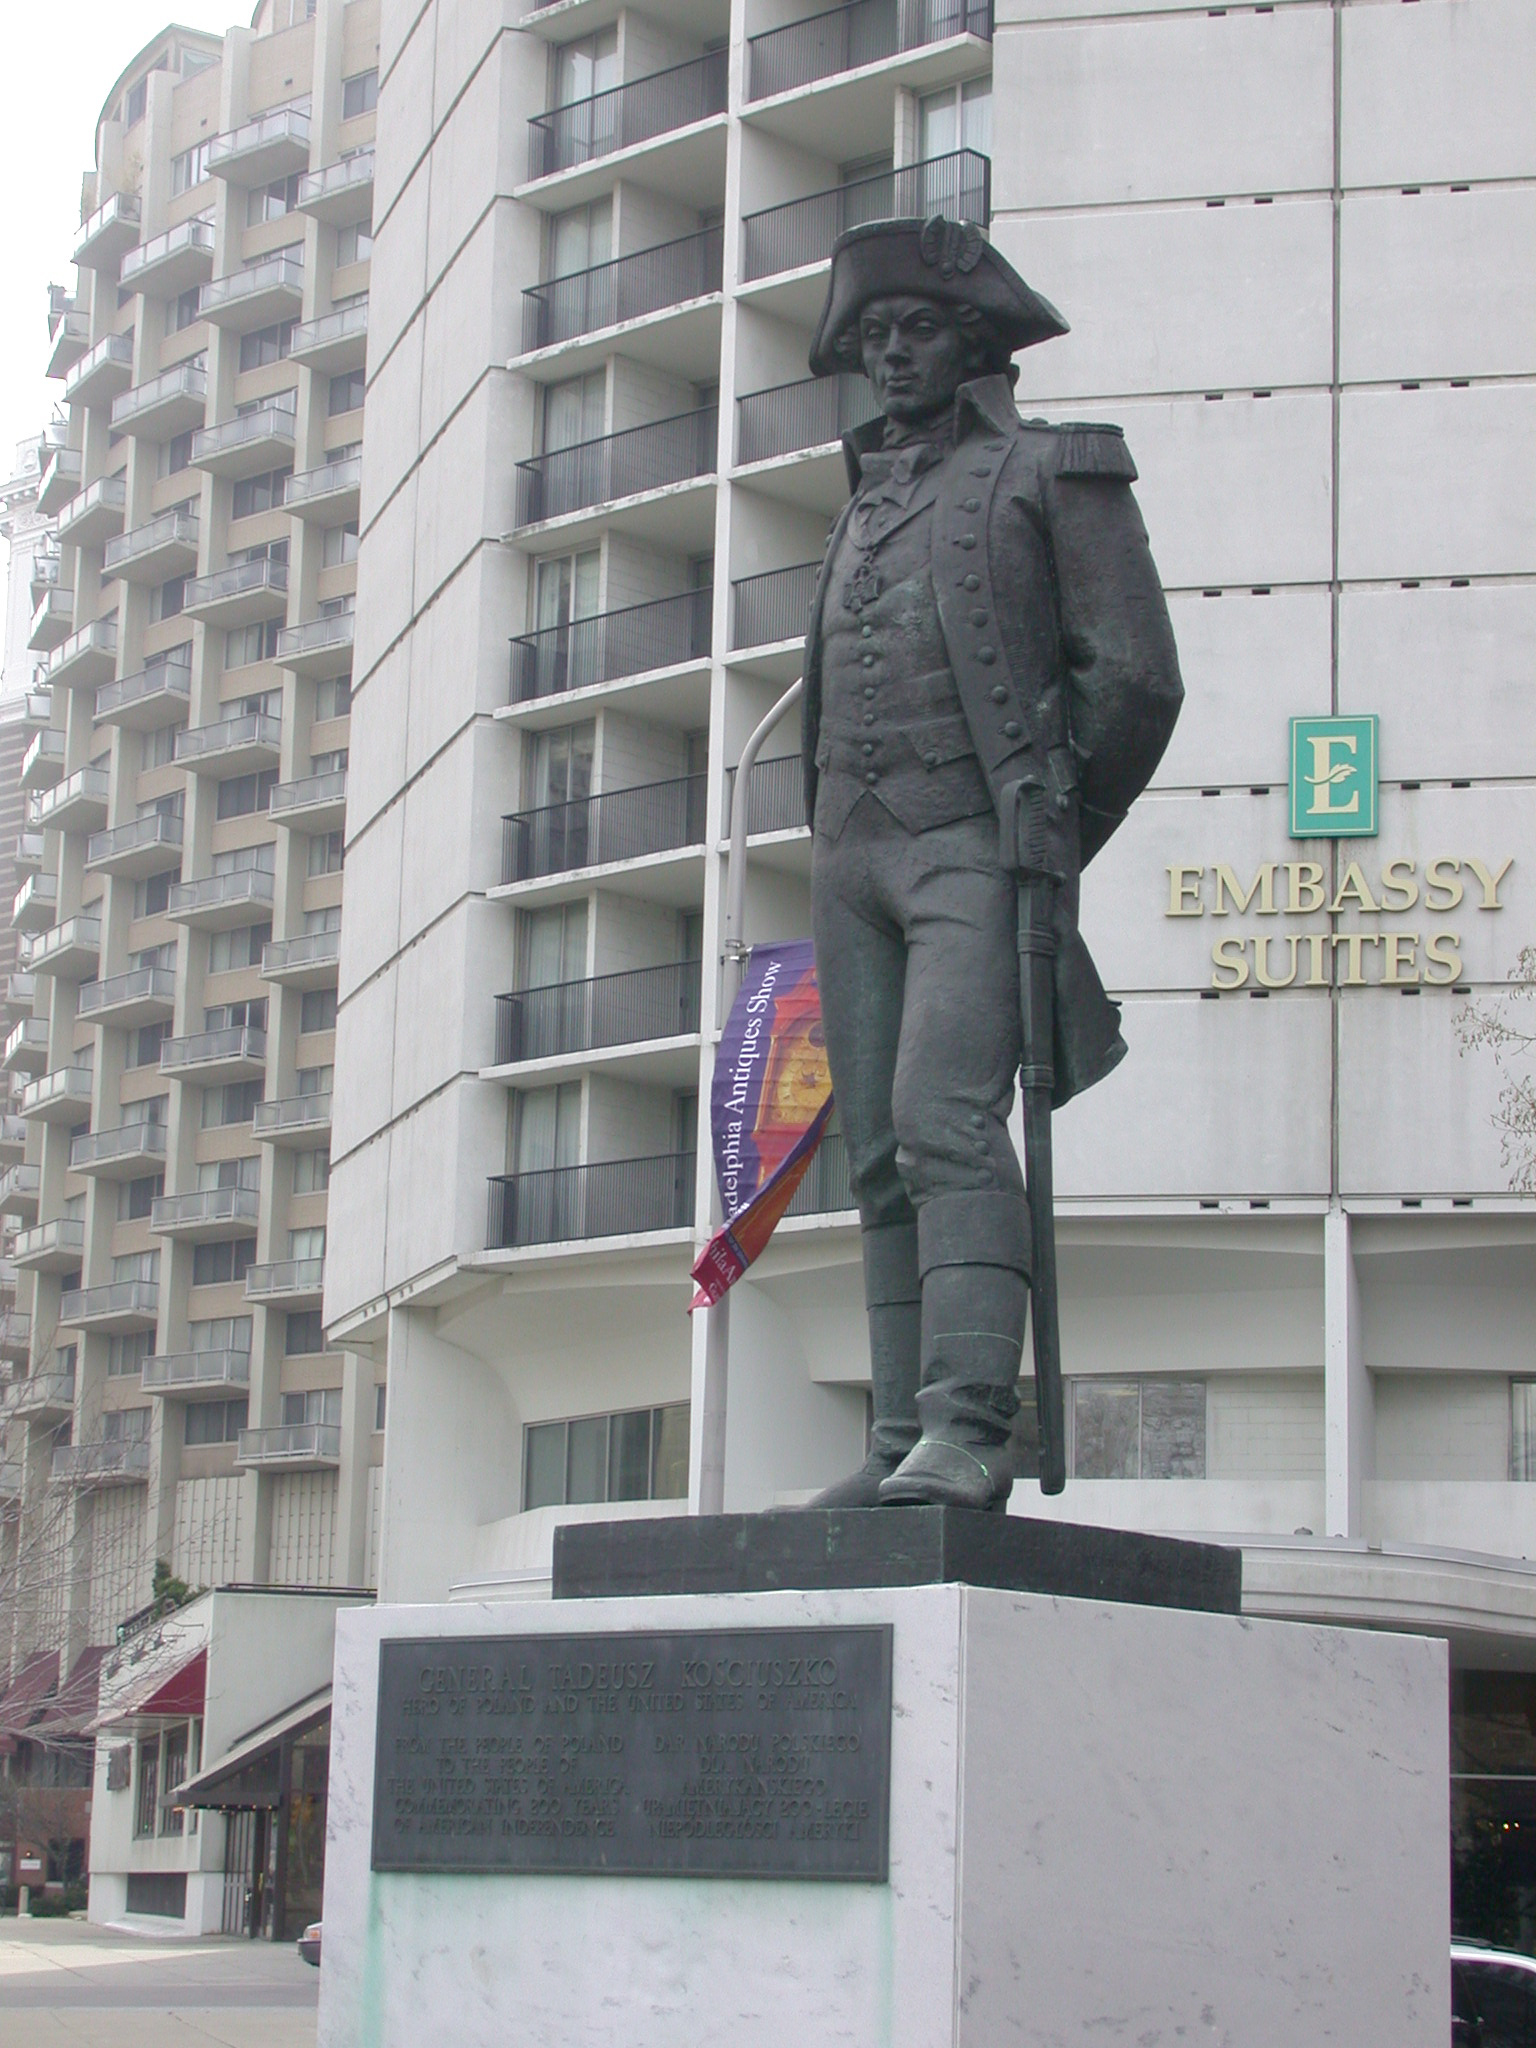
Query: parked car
[
  {"x": 309, "y": 1944},
  {"x": 1493, "y": 1997}
]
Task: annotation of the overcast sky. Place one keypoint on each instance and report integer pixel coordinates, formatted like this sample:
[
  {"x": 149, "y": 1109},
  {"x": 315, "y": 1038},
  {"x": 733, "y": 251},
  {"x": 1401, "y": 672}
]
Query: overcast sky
[{"x": 61, "y": 57}]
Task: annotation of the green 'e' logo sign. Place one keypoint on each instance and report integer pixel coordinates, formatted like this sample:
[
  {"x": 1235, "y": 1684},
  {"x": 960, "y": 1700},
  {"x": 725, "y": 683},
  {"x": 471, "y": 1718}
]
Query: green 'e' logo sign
[{"x": 1333, "y": 778}]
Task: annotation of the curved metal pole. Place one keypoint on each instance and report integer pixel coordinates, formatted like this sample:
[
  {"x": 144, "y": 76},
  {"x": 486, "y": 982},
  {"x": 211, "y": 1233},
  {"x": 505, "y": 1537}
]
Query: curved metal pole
[{"x": 717, "y": 1333}]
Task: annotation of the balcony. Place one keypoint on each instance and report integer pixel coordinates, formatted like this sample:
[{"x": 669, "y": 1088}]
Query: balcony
[
  {"x": 847, "y": 38},
  {"x": 77, "y": 804},
  {"x": 18, "y": 993},
  {"x": 826, "y": 1189},
  {"x": 117, "y": 1307},
  {"x": 35, "y": 904},
  {"x": 248, "y": 444},
  {"x": 320, "y": 647},
  {"x": 594, "y": 831},
  {"x": 251, "y": 739},
  {"x": 240, "y": 594},
  {"x": 46, "y": 566},
  {"x": 71, "y": 337},
  {"x": 291, "y": 1447},
  {"x": 60, "y": 481},
  {"x": 342, "y": 193},
  {"x": 671, "y": 275},
  {"x": 788, "y": 419},
  {"x": 110, "y": 232},
  {"x": 793, "y": 236},
  {"x": 163, "y": 547},
  {"x": 170, "y": 404},
  {"x": 216, "y": 902},
  {"x": 43, "y": 762},
  {"x": 272, "y": 146},
  {"x": 15, "y": 1335},
  {"x": 25, "y": 1052},
  {"x": 775, "y": 796},
  {"x": 123, "y": 1153},
  {"x": 315, "y": 803},
  {"x": 612, "y": 1198},
  {"x": 287, "y": 1283},
  {"x": 37, "y": 709},
  {"x": 309, "y": 960},
  {"x": 60, "y": 1097},
  {"x": 666, "y": 633},
  {"x": 54, "y": 1247},
  {"x": 87, "y": 658},
  {"x": 20, "y": 1187},
  {"x": 776, "y": 607},
  {"x": 236, "y": 1053},
  {"x": 196, "y": 1375},
  {"x": 144, "y": 846},
  {"x": 204, "y": 1215},
  {"x": 627, "y": 114},
  {"x": 70, "y": 951},
  {"x": 336, "y": 341},
  {"x": 42, "y": 1397},
  {"x": 13, "y": 1143},
  {"x": 327, "y": 496},
  {"x": 610, "y": 1009},
  {"x": 144, "y": 995},
  {"x": 295, "y": 1120},
  {"x": 93, "y": 515},
  {"x": 648, "y": 458},
  {"x": 115, "y": 1461},
  {"x": 171, "y": 263},
  {"x": 155, "y": 695},
  {"x": 258, "y": 297},
  {"x": 53, "y": 620},
  {"x": 101, "y": 372},
  {"x": 27, "y": 854}
]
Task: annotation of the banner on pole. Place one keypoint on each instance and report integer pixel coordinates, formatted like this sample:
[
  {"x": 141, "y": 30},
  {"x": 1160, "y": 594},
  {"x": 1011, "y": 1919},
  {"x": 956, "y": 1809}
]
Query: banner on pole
[{"x": 770, "y": 1103}]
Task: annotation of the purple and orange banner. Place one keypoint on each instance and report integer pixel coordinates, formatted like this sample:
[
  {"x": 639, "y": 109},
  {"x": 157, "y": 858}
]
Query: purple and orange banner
[{"x": 770, "y": 1104}]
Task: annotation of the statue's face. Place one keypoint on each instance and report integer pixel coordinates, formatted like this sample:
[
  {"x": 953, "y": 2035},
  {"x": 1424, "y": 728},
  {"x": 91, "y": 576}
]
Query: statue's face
[{"x": 914, "y": 355}]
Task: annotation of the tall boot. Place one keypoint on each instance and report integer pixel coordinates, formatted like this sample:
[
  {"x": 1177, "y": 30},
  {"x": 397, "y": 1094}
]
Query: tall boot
[
  {"x": 892, "y": 1294},
  {"x": 974, "y": 1260}
]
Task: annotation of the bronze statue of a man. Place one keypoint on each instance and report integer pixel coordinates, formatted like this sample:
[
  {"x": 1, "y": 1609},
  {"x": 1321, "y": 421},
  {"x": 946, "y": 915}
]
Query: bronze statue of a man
[{"x": 989, "y": 663}]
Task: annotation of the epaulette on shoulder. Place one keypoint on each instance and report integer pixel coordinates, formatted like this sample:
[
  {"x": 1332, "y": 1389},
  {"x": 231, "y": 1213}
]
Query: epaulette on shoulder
[{"x": 1090, "y": 449}]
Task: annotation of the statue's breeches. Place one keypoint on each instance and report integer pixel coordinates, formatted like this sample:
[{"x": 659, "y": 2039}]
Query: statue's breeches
[{"x": 917, "y": 962}]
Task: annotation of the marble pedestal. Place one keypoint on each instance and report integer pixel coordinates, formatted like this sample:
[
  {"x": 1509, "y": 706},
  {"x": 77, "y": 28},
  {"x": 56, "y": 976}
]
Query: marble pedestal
[{"x": 1108, "y": 1824}]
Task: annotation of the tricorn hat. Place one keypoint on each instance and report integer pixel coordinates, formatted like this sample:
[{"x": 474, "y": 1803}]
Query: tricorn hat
[{"x": 933, "y": 259}]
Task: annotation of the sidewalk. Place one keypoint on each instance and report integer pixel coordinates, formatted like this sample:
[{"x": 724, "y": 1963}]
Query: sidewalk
[{"x": 96, "y": 1987}]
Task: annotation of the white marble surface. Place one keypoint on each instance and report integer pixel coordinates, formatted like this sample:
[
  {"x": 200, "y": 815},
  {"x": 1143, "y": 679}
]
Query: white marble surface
[{"x": 1108, "y": 1825}]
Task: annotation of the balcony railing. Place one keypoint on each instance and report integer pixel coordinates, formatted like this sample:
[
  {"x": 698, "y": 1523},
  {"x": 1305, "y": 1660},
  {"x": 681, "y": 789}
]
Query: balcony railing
[
  {"x": 260, "y": 579},
  {"x": 627, "y": 114},
  {"x": 610, "y": 1009},
  {"x": 826, "y": 1187},
  {"x": 618, "y": 465},
  {"x": 306, "y": 954},
  {"x": 84, "y": 655},
  {"x": 775, "y": 795},
  {"x": 773, "y": 607},
  {"x": 671, "y": 274},
  {"x": 78, "y": 797},
  {"x": 291, "y": 1443},
  {"x": 614, "y": 1198},
  {"x": 239, "y": 889},
  {"x": 153, "y": 987},
  {"x": 286, "y": 1280},
  {"x": 185, "y": 250},
  {"x": 167, "y": 679},
  {"x": 109, "y": 232},
  {"x": 620, "y": 824},
  {"x": 42, "y": 1393},
  {"x": 126, "y": 1303},
  {"x": 211, "y": 446},
  {"x": 315, "y": 645},
  {"x": 309, "y": 794},
  {"x": 211, "y": 1210},
  {"x": 292, "y": 1115},
  {"x": 234, "y": 1044},
  {"x": 15, "y": 1333},
  {"x": 172, "y": 531},
  {"x": 58, "y": 1095},
  {"x": 802, "y": 231},
  {"x": 138, "y": 845},
  {"x": 114, "y": 1460},
  {"x": 806, "y": 414},
  {"x": 43, "y": 762},
  {"x": 312, "y": 487},
  {"x": 280, "y": 280},
  {"x": 178, "y": 395},
  {"x": 20, "y": 1187},
  {"x": 627, "y": 642},
  {"x": 257, "y": 730},
  {"x": 272, "y": 142},
  {"x": 333, "y": 341},
  {"x": 341, "y": 191},
  {"x": 185, "y": 1372},
  {"x": 57, "y": 1244},
  {"x": 846, "y": 37},
  {"x": 101, "y": 370},
  {"x": 90, "y": 1151},
  {"x": 70, "y": 950}
]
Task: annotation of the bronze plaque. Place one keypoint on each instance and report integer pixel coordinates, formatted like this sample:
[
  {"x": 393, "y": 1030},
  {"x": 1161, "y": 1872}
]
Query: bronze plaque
[{"x": 718, "y": 1753}]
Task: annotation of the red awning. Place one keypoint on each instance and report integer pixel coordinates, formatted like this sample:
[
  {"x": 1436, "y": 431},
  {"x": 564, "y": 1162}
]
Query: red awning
[
  {"x": 32, "y": 1691},
  {"x": 164, "y": 1694},
  {"x": 74, "y": 1709}
]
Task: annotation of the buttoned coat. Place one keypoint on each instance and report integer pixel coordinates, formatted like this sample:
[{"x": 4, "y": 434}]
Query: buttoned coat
[{"x": 1059, "y": 640}]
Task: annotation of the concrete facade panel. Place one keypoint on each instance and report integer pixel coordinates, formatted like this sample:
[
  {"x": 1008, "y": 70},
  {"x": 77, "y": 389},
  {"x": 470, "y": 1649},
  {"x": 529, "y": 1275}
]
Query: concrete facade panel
[
  {"x": 407, "y": 39},
  {"x": 354, "y": 1248},
  {"x": 1249, "y": 665},
  {"x": 386, "y": 579},
  {"x": 394, "y": 422},
  {"x": 1438, "y": 96},
  {"x": 376, "y": 771},
  {"x": 372, "y": 939},
  {"x": 1417, "y": 1117},
  {"x": 363, "y": 1093},
  {"x": 395, "y": 298}
]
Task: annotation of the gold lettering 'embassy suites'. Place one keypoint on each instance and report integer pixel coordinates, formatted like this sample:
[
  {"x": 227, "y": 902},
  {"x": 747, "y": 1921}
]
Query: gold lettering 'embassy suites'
[{"x": 1299, "y": 888}]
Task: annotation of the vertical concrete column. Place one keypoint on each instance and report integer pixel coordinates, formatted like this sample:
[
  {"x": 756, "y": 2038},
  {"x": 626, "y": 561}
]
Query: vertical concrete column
[
  {"x": 352, "y": 1480},
  {"x": 1348, "y": 1398}
]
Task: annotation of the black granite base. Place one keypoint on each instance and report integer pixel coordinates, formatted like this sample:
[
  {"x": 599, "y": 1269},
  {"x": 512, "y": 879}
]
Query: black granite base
[{"x": 814, "y": 1549}]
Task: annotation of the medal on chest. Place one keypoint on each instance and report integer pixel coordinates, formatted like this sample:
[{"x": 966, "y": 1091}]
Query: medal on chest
[{"x": 862, "y": 587}]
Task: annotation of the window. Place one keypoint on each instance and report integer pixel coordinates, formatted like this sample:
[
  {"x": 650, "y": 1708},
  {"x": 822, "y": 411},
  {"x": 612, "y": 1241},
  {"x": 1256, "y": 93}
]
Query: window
[
  {"x": 215, "y": 1422},
  {"x": 151, "y": 896},
  {"x": 173, "y": 1772},
  {"x": 220, "y": 1333},
  {"x": 157, "y": 749},
  {"x": 247, "y": 860},
  {"x": 1138, "y": 1429},
  {"x": 318, "y": 1010},
  {"x": 562, "y": 770},
  {"x": 232, "y": 1016},
  {"x": 145, "y": 1043},
  {"x": 320, "y": 1404},
  {"x": 146, "y": 1806},
  {"x": 587, "y": 67},
  {"x": 574, "y": 410},
  {"x": 327, "y": 920},
  {"x": 134, "y": 105},
  {"x": 325, "y": 852},
  {"x": 339, "y": 545},
  {"x": 332, "y": 762},
  {"x": 554, "y": 946},
  {"x": 346, "y": 392},
  {"x": 378, "y": 1406},
  {"x": 307, "y": 1244},
  {"x": 641, "y": 1454},
  {"x": 126, "y": 1426},
  {"x": 263, "y": 493},
  {"x": 231, "y": 1173},
  {"x": 266, "y": 345},
  {"x": 333, "y": 697},
  {"x": 958, "y": 117},
  {"x": 1522, "y": 1429},
  {"x": 228, "y": 951},
  {"x": 580, "y": 238},
  {"x": 135, "y": 1198},
  {"x": 216, "y": 1265},
  {"x": 251, "y": 643},
  {"x": 353, "y": 244},
  {"x": 126, "y": 1355},
  {"x": 189, "y": 169},
  {"x": 314, "y": 1081},
  {"x": 271, "y": 202},
  {"x": 311, "y": 1172},
  {"x": 175, "y": 455},
  {"x": 233, "y": 1103},
  {"x": 166, "y": 600},
  {"x": 548, "y": 1127},
  {"x": 305, "y": 1334},
  {"x": 359, "y": 94}
]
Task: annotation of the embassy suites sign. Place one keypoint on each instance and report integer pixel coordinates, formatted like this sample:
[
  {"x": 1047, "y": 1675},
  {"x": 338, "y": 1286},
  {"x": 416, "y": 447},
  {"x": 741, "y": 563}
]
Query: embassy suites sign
[{"x": 1333, "y": 795}]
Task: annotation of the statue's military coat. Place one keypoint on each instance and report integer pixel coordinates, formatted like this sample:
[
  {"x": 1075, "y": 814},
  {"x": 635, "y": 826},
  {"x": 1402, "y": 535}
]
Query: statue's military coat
[{"x": 1060, "y": 645}]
